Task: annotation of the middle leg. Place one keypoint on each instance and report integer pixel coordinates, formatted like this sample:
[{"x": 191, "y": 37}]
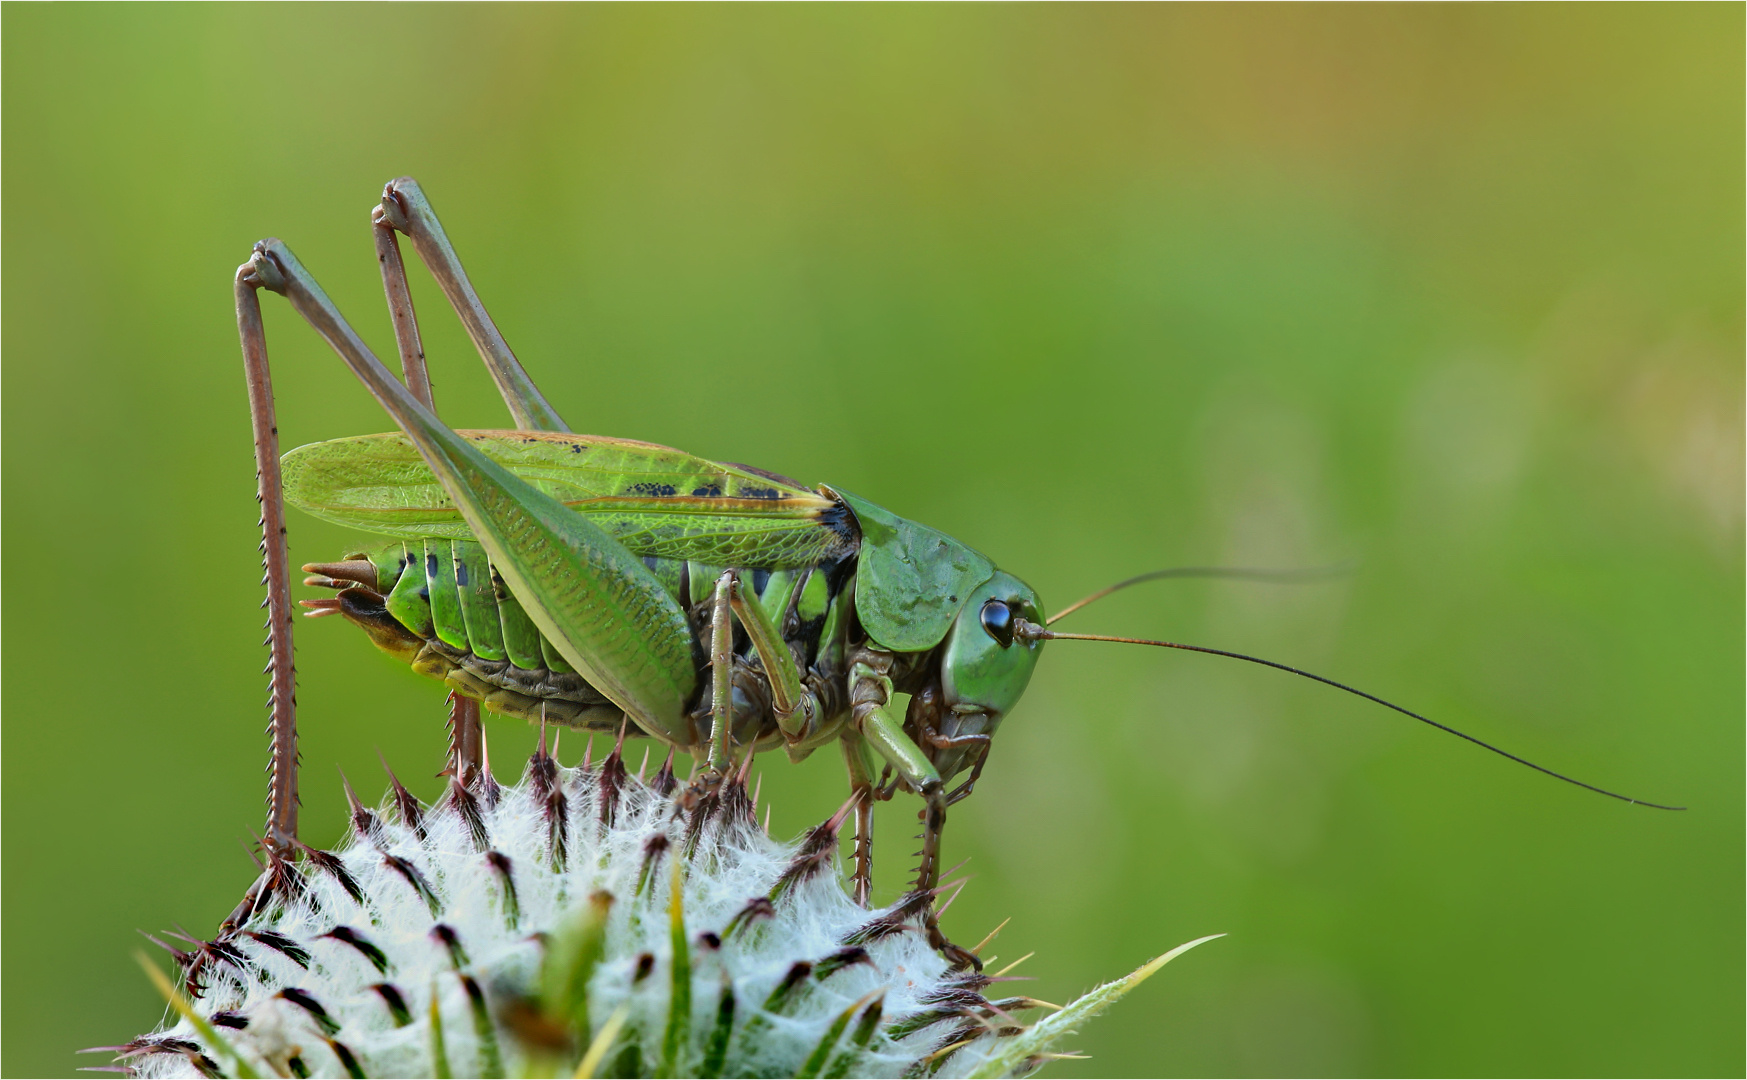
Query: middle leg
[
  {"x": 721, "y": 682},
  {"x": 795, "y": 707}
]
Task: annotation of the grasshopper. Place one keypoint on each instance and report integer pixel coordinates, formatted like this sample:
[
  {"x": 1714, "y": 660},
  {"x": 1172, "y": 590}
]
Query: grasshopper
[{"x": 619, "y": 586}]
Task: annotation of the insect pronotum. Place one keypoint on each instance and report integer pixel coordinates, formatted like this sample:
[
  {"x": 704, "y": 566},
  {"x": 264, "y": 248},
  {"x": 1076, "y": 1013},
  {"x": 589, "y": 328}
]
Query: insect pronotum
[{"x": 625, "y": 587}]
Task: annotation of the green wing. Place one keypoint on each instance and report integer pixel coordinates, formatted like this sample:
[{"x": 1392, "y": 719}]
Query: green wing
[{"x": 654, "y": 500}]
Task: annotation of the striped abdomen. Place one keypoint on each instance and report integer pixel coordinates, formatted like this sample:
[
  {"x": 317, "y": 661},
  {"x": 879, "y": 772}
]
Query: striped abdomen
[{"x": 441, "y": 607}]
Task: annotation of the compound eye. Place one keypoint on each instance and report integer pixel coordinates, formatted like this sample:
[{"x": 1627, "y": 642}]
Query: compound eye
[{"x": 998, "y": 621}]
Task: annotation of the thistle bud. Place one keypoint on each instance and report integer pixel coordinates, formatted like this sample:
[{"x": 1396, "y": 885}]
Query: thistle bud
[{"x": 584, "y": 923}]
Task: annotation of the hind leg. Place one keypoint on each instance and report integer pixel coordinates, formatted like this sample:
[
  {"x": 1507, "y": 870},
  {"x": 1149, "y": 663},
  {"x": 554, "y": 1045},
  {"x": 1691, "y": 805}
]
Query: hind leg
[
  {"x": 599, "y": 605},
  {"x": 405, "y": 209},
  {"x": 281, "y": 832}
]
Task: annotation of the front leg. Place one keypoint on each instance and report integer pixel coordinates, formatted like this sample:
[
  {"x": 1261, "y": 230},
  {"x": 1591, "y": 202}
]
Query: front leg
[
  {"x": 979, "y": 743},
  {"x": 885, "y": 733},
  {"x": 857, "y": 758}
]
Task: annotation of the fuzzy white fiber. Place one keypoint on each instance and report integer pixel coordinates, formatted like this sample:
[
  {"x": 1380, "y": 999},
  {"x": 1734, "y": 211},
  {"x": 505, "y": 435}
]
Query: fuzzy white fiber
[{"x": 725, "y": 861}]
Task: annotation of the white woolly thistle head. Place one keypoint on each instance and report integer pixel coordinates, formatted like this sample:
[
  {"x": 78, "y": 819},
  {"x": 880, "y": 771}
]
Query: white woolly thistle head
[{"x": 584, "y": 923}]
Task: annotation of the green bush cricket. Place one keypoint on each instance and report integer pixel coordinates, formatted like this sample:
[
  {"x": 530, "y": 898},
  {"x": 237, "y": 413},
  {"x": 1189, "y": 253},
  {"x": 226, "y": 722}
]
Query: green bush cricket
[{"x": 625, "y": 587}]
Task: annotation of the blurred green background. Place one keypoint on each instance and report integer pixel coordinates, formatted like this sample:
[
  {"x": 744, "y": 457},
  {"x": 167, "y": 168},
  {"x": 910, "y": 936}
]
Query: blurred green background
[{"x": 1454, "y": 291}]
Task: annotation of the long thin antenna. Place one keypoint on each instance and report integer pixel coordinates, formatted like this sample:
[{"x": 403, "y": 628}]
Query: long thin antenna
[
  {"x": 1032, "y": 632},
  {"x": 1239, "y": 573}
]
